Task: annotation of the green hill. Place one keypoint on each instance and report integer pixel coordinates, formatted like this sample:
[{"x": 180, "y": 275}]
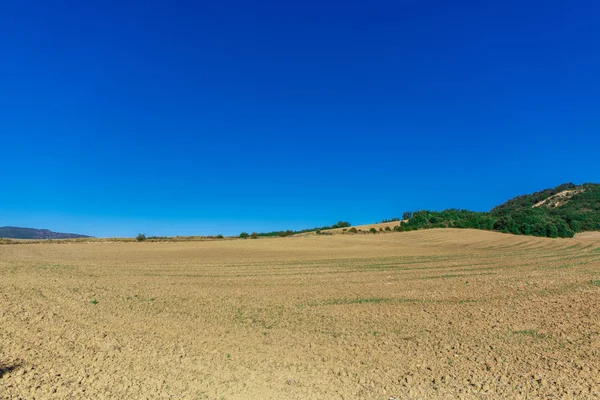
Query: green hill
[
  {"x": 13, "y": 232},
  {"x": 558, "y": 212}
]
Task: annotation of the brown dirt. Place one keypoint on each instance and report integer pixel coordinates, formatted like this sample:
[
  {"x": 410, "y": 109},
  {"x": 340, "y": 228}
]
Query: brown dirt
[
  {"x": 588, "y": 235},
  {"x": 559, "y": 199},
  {"x": 428, "y": 314}
]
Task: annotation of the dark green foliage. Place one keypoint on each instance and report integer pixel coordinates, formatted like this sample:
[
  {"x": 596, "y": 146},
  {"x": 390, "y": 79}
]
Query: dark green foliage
[
  {"x": 407, "y": 215},
  {"x": 390, "y": 220},
  {"x": 244, "y": 235},
  {"x": 529, "y": 200},
  {"x": 341, "y": 224},
  {"x": 14, "y": 232},
  {"x": 387, "y": 228},
  {"x": 286, "y": 233},
  {"x": 451, "y": 218},
  {"x": 373, "y": 230},
  {"x": 353, "y": 230},
  {"x": 558, "y": 217},
  {"x": 140, "y": 237},
  {"x": 219, "y": 236}
]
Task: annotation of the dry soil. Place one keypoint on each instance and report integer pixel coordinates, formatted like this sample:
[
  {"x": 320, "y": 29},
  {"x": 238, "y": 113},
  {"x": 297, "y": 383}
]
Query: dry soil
[{"x": 428, "y": 314}]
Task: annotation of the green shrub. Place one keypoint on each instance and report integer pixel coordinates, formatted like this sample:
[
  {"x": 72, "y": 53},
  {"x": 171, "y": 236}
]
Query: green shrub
[
  {"x": 140, "y": 237},
  {"x": 373, "y": 230},
  {"x": 353, "y": 230},
  {"x": 219, "y": 236},
  {"x": 244, "y": 235},
  {"x": 254, "y": 235}
]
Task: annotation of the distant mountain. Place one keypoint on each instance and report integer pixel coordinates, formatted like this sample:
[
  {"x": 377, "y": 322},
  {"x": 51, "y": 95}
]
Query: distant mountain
[
  {"x": 14, "y": 232},
  {"x": 557, "y": 212}
]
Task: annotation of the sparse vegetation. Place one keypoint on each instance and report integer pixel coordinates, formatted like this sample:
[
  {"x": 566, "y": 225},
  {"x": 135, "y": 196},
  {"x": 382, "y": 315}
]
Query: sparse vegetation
[
  {"x": 244, "y": 235},
  {"x": 530, "y": 332},
  {"x": 140, "y": 237}
]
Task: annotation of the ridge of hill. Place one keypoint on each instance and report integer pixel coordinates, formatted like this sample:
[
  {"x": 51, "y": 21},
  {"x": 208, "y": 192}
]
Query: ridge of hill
[
  {"x": 556, "y": 212},
  {"x": 14, "y": 232}
]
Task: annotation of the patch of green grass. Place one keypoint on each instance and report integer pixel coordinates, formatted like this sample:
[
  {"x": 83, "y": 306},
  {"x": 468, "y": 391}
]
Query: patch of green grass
[
  {"x": 94, "y": 302},
  {"x": 457, "y": 275},
  {"x": 54, "y": 266},
  {"x": 467, "y": 301},
  {"x": 442, "y": 276},
  {"x": 368, "y": 300},
  {"x": 596, "y": 283},
  {"x": 140, "y": 299},
  {"x": 558, "y": 267},
  {"x": 530, "y": 332}
]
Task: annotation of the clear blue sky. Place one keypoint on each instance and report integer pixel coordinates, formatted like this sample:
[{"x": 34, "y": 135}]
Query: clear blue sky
[{"x": 227, "y": 116}]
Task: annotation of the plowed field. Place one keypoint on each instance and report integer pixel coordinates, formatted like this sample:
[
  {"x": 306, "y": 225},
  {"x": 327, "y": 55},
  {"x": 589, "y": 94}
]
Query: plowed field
[{"x": 427, "y": 314}]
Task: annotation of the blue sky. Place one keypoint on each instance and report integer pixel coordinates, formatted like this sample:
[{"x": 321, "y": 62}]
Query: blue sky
[{"x": 219, "y": 117}]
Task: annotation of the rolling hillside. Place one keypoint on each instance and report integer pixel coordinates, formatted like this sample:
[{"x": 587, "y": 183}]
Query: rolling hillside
[
  {"x": 557, "y": 212},
  {"x": 13, "y": 232}
]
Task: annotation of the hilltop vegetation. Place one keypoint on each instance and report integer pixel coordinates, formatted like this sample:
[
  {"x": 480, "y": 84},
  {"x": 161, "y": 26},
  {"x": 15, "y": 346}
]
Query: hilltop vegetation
[
  {"x": 13, "y": 232},
  {"x": 558, "y": 212},
  {"x": 340, "y": 224}
]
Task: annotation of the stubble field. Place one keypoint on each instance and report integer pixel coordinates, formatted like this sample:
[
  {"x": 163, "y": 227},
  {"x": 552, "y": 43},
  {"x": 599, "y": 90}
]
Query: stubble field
[{"x": 427, "y": 314}]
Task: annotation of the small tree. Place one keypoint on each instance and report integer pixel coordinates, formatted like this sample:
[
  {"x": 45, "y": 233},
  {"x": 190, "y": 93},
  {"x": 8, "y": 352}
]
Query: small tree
[
  {"x": 140, "y": 237},
  {"x": 387, "y": 228},
  {"x": 373, "y": 230},
  {"x": 244, "y": 235},
  {"x": 219, "y": 236},
  {"x": 254, "y": 235},
  {"x": 353, "y": 230}
]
